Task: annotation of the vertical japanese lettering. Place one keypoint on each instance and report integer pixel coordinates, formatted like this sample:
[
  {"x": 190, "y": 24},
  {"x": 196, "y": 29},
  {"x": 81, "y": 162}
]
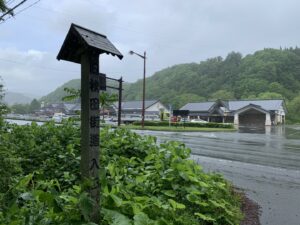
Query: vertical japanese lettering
[
  {"x": 94, "y": 140},
  {"x": 94, "y": 103},
  {"x": 94, "y": 85},
  {"x": 94, "y": 121}
]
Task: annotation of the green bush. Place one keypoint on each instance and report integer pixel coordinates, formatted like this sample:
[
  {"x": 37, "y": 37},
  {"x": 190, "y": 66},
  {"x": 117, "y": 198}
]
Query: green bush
[
  {"x": 142, "y": 182},
  {"x": 186, "y": 124},
  {"x": 151, "y": 123}
]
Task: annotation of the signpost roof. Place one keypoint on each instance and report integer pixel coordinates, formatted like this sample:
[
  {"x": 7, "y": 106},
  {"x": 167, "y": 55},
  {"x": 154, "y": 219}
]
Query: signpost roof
[{"x": 80, "y": 39}]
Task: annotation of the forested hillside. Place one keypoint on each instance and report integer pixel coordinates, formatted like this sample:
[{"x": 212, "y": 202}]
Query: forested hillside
[
  {"x": 266, "y": 74},
  {"x": 57, "y": 95}
]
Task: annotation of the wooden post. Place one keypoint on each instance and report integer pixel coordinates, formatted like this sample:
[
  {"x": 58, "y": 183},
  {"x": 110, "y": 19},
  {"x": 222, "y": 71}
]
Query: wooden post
[
  {"x": 84, "y": 46},
  {"x": 90, "y": 123},
  {"x": 120, "y": 101}
]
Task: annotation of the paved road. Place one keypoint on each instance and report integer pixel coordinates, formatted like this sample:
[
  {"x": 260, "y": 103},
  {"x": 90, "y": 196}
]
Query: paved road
[{"x": 265, "y": 163}]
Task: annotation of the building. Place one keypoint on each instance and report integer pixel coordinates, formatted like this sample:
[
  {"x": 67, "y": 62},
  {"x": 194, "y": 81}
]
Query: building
[
  {"x": 153, "y": 108},
  {"x": 65, "y": 108},
  {"x": 239, "y": 112}
]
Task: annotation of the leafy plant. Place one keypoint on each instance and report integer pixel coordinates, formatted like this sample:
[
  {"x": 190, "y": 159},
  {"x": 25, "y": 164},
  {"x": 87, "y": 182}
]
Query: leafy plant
[
  {"x": 105, "y": 99},
  {"x": 142, "y": 182}
]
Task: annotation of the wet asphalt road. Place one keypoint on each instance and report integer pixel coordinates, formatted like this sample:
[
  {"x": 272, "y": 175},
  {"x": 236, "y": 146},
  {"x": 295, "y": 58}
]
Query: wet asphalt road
[{"x": 263, "y": 162}]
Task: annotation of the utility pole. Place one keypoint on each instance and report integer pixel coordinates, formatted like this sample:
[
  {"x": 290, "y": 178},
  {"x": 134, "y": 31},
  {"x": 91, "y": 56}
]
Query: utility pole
[{"x": 144, "y": 84}]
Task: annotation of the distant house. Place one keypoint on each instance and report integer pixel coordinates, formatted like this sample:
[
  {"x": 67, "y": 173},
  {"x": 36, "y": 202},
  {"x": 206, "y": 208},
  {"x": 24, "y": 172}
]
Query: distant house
[
  {"x": 66, "y": 108},
  {"x": 239, "y": 112},
  {"x": 152, "y": 108}
]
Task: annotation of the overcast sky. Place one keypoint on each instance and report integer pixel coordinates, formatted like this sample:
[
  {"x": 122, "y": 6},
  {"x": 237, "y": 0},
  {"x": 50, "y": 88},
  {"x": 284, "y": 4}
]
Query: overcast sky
[{"x": 170, "y": 31}]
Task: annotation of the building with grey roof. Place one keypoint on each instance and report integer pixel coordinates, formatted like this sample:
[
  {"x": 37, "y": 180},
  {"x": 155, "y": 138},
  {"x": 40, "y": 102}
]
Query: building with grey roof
[
  {"x": 152, "y": 108},
  {"x": 66, "y": 108},
  {"x": 239, "y": 112}
]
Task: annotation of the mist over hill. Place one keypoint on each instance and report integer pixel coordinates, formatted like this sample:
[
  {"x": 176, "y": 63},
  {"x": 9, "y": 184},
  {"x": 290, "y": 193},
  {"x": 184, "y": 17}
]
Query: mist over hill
[
  {"x": 11, "y": 98},
  {"x": 57, "y": 95}
]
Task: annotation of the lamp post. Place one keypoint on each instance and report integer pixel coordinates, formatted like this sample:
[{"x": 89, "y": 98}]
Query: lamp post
[{"x": 144, "y": 84}]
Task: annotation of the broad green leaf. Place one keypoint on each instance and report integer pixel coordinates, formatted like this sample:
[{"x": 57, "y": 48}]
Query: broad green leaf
[
  {"x": 176, "y": 205},
  {"x": 141, "y": 179},
  {"x": 205, "y": 217},
  {"x": 118, "y": 201},
  {"x": 86, "y": 205},
  {"x": 26, "y": 196},
  {"x": 115, "y": 218},
  {"x": 142, "y": 219},
  {"x": 46, "y": 198},
  {"x": 170, "y": 193},
  {"x": 25, "y": 181}
]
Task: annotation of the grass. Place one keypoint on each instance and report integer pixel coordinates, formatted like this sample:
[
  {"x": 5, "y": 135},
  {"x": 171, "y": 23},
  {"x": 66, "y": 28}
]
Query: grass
[{"x": 180, "y": 128}]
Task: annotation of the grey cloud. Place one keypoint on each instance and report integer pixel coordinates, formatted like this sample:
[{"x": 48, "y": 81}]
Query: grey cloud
[{"x": 171, "y": 31}]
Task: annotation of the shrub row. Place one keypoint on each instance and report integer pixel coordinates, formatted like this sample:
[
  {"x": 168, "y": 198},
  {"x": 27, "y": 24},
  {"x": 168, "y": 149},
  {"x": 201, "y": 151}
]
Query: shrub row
[{"x": 187, "y": 124}]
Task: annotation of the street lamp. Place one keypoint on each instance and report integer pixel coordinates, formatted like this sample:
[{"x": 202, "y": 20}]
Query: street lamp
[{"x": 144, "y": 83}]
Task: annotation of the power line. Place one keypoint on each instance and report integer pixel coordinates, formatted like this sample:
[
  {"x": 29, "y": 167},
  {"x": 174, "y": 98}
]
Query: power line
[
  {"x": 10, "y": 11},
  {"x": 39, "y": 67},
  {"x": 20, "y": 11},
  {"x": 161, "y": 38},
  {"x": 9, "y": 2}
]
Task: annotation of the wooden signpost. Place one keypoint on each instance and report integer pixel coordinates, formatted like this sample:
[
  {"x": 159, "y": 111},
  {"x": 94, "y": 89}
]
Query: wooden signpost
[{"x": 84, "y": 46}]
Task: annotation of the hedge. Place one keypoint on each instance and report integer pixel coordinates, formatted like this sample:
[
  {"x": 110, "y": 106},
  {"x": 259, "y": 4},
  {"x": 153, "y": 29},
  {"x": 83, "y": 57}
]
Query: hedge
[{"x": 186, "y": 124}]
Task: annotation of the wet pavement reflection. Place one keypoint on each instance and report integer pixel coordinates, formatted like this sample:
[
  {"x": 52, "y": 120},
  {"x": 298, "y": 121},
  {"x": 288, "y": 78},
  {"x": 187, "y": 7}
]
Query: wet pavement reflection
[{"x": 265, "y": 162}]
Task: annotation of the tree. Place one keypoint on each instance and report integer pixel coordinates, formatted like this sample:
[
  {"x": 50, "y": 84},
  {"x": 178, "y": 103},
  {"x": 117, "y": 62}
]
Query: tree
[
  {"x": 73, "y": 94},
  {"x": 3, "y": 7},
  {"x": 250, "y": 86},
  {"x": 294, "y": 109},
  {"x": 180, "y": 100},
  {"x": 20, "y": 108},
  {"x": 3, "y": 108},
  {"x": 34, "y": 105},
  {"x": 222, "y": 94},
  {"x": 106, "y": 100},
  {"x": 269, "y": 95}
]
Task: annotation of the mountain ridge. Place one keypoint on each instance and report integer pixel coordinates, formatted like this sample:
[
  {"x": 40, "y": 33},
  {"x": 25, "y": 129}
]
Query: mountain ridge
[
  {"x": 265, "y": 74},
  {"x": 11, "y": 98}
]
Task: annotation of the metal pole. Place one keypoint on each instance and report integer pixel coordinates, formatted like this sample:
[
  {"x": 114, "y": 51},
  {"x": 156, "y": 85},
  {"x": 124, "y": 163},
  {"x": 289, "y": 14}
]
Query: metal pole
[
  {"x": 170, "y": 116},
  {"x": 144, "y": 87},
  {"x": 120, "y": 101}
]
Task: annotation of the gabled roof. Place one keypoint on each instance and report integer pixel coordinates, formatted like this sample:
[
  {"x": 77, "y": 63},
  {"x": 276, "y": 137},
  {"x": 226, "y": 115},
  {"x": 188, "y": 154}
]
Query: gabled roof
[
  {"x": 137, "y": 104},
  {"x": 265, "y": 104},
  {"x": 69, "y": 106},
  {"x": 252, "y": 106},
  {"x": 199, "y": 106},
  {"x": 77, "y": 107},
  {"x": 220, "y": 106},
  {"x": 234, "y": 105},
  {"x": 80, "y": 39}
]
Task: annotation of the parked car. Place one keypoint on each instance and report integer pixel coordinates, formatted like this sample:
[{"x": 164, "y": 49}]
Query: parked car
[
  {"x": 185, "y": 120},
  {"x": 198, "y": 121},
  {"x": 174, "y": 119},
  {"x": 58, "y": 117}
]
